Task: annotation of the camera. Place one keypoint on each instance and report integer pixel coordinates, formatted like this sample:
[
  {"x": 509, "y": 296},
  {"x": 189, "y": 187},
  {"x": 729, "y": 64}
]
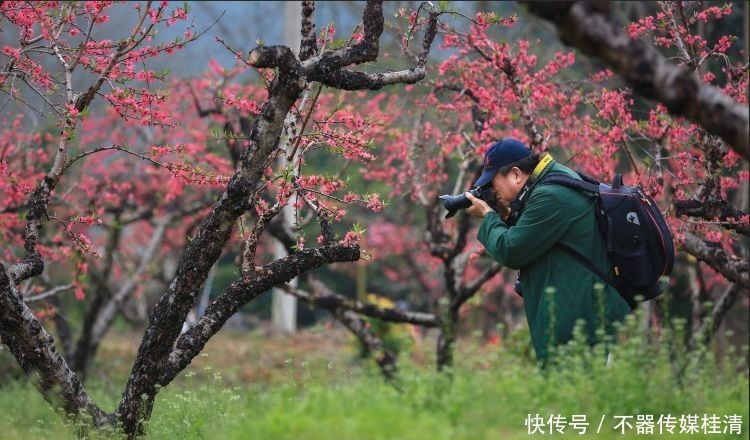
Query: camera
[{"x": 455, "y": 203}]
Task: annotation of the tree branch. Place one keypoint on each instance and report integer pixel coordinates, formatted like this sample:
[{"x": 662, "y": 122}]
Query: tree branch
[
  {"x": 535, "y": 137},
  {"x": 734, "y": 270},
  {"x": 328, "y": 299},
  {"x": 273, "y": 56},
  {"x": 167, "y": 316},
  {"x": 470, "y": 289},
  {"x": 429, "y": 37},
  {"x": 373, "y": 345},
  {"x": 713, "y": 209},
  {"x": 588, "y": 26},
  {"x": 362, "y": 52},
  {"x": 251, "y": 244},
  {"x": 44, "y": 295},
  {"x": 34, "y": 349},
  {"x": 352, "y": 80},
  {"x": 239, "y": 293}
]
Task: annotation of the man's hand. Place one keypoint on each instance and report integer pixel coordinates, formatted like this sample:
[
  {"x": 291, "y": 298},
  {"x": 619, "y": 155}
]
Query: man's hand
[{"x": 479, "y": 208}]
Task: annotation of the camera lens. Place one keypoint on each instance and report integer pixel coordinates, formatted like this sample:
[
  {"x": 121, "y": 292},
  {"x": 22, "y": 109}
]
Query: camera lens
[{"x": 454, "y": 203}]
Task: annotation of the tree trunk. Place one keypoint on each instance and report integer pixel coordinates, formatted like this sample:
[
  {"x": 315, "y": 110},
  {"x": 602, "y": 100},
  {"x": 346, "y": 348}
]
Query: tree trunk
[
  {"x": 164, "y": 352},
  {"x": 447, "y": 338},
  {"x": 167, "y": 316},
  {"x": 63, "y": 327},
  {"x": 284, "y": 305},
  {"x": 34, "y": 349},
  {"x": 84, "y": 351}
]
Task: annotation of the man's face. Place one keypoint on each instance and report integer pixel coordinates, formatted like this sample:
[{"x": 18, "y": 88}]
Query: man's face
[{"x": 506, "y": 187}]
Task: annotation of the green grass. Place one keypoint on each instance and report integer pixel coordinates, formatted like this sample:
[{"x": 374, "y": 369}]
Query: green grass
[{"x": 492, "y": 393}]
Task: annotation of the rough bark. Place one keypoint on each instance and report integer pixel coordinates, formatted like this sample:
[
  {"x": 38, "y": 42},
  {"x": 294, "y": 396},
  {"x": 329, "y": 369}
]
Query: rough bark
[
  {"x": 328, "y": 299},
  {"x": 158, "y": 359},
  {"x": 309, "y": 45},
  {"x": 167, "y": 316},
  {"x": 353, "y": 80},
  {"x": 735, "y": 270},
  {"x": 242, "y": 291},
  {"x": 35, "y": 351},
  {"x": 29, "y": 342},
  {"x": 362, "y": 52},
  {"x": 588, "y": 26}
]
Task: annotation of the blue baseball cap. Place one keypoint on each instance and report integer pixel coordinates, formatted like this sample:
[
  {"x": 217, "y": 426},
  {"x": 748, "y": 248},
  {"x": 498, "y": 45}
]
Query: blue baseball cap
[{"x": 501, "y": 153}]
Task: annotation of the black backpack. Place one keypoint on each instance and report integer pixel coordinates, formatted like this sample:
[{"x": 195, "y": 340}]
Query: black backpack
[{"x": 639, "y": 244}]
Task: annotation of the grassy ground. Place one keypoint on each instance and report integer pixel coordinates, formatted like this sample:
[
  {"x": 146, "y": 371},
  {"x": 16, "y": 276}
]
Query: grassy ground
[{"x": 312, "y": 387}]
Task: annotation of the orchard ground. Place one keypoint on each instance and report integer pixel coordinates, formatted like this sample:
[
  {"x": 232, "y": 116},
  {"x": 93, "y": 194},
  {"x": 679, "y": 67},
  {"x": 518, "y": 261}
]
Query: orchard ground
[{"x": 312, "y": 385}]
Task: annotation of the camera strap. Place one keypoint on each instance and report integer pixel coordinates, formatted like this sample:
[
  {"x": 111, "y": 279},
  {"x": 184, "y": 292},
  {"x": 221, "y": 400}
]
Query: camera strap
[{"x": 520, "y": 200}]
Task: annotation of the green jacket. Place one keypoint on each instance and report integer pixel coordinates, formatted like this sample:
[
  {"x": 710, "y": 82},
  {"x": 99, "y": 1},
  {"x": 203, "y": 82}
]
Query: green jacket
[{"x": 552, "y": 214}]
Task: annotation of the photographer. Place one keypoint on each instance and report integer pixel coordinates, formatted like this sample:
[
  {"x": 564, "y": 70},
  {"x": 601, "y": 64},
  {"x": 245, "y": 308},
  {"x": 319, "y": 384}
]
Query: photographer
[{"x": 522, "y": 234}]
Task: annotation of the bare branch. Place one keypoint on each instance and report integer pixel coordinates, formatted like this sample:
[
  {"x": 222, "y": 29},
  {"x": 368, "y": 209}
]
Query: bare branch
[
  {"x": 29, "y": 267},
  {"x": 328, "y": 299},
  {"x": 247, "y": 264},
  {"x": 107, "y": 315},
  {"x": 353, "y": 80},
  {"x": 374, "y": 346},
  {"x": 35, "y": 351},
  {"x": 52, "y": 292},
  {"x": 362, "y": 52},
  {"x": 429, "y": 36},
  {"x": 328, "y": 67},
  {"x": 470, "y": 289},
  {"x": 242, "y": 290},
  {"x": 111, "y": 148},
  {"x": 735, "y": 270},
  {"x": 290, "y": 157}
]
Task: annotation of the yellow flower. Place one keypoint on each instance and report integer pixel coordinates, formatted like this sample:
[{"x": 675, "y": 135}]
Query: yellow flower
[{"x": 380, "y": 301}]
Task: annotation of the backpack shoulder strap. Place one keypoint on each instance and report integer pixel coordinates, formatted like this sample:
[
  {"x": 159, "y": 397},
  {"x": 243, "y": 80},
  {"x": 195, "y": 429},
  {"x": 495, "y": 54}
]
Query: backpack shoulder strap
[
  {"x": 587, "y": 185},
  {"x": 604, "y": 277}
]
